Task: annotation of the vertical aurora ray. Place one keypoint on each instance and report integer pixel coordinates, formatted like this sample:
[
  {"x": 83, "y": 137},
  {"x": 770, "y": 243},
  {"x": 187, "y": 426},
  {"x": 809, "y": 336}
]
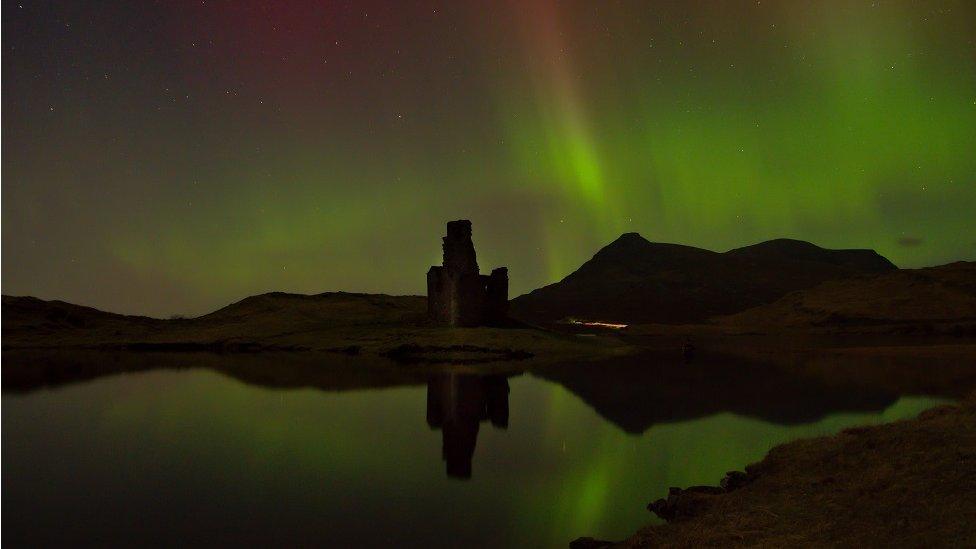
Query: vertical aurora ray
[
  {"x": 564, "y": 126},
  {"x": 235, "y": 148},
  {"x": 550, "y": 135}
]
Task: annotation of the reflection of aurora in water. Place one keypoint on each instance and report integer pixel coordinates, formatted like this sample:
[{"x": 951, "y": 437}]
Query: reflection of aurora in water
[{"x": 164, "y": 455}]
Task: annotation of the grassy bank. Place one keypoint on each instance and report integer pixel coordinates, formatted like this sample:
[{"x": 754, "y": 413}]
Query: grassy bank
[{"x": 909, "y": 483}]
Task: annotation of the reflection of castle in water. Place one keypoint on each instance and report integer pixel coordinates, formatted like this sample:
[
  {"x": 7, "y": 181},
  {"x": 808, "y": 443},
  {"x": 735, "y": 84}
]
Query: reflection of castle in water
[{"x": 457, "y": 404}]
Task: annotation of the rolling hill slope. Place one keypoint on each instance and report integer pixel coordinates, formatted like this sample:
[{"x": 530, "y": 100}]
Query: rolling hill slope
[{"x": 934, "y": 295}]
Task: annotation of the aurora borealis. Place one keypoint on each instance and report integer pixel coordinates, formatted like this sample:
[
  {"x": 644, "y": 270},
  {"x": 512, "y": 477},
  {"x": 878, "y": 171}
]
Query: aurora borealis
[{"x": 170, "y": 157}]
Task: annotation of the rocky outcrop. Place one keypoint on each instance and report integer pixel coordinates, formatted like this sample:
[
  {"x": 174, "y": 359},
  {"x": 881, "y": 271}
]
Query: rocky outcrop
[
  {"x": 457, "y": 294},
  {"x": 688, "y": 502}
]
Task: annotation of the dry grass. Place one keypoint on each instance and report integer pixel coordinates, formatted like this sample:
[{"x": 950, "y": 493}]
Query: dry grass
[
  {"x": 905, "y": 484},
  {"x": 368, "y": 325},
  {"x": 937, "y": 298}
]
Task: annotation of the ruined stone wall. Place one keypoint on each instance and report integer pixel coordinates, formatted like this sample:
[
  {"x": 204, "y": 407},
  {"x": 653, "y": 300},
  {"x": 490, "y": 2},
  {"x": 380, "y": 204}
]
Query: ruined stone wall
[
  {"x": 496, "y": 296},
  {"x": 437, "y": 294},
  {"x": 457, "y": 295},
  {"x": 458, "y": 249}
]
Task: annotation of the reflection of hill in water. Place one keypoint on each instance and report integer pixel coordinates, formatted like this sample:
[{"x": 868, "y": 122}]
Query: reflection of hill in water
[
  {"x": 633, "y": 393},
  {"x": 457, "y": 403},
  {"x": 29, "y": 370},
  {"x": 638, "y": 392}
]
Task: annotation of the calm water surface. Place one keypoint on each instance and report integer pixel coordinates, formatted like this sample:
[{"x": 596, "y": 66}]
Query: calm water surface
[{"x": 195, "y": 456}]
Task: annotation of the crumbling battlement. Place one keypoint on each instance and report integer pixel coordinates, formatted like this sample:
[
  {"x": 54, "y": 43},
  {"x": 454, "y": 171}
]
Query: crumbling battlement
[{"x": 457, "y": 294}]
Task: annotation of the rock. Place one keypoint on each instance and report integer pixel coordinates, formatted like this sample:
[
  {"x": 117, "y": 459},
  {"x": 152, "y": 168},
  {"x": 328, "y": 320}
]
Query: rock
[
  {"x": 711, "y": 490},
  {"x": 688, "y": 502},
  {"x": 589, "y": 543},
  {"x": 735, "y": 479},
  {"x": 661, "y": 508},
  {"x": 684, "y": 503}
]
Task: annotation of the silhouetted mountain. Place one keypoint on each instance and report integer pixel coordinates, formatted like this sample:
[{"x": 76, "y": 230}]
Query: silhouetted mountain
[
  {"x": 634, "y": 280},
  {"x": 944, "y": 294}
]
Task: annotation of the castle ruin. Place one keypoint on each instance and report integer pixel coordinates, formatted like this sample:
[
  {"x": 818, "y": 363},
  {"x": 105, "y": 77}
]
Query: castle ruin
[{"x": 457, "y": 293}]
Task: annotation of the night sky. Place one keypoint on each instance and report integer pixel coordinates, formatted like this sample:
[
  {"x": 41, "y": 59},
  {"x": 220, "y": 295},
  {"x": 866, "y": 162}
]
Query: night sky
[{"x": 170, "y": 157}]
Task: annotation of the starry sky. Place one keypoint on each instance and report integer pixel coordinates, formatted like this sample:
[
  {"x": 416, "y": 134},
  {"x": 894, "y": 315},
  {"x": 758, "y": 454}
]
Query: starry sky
[{"x": 170, "y": 157}]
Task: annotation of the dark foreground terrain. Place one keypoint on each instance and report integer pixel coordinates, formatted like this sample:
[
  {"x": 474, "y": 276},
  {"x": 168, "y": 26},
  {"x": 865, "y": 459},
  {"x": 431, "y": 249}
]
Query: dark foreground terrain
[
  {"x": 911, "y": 483},
  {"x": 905, "y": 484},
  {"x": 907, "y": 301},
  {"x": 370, "y": 326}
]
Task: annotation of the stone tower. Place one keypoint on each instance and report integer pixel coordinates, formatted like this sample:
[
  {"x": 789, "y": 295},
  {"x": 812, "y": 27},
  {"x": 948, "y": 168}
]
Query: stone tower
[{"x": 457, "y": 294}]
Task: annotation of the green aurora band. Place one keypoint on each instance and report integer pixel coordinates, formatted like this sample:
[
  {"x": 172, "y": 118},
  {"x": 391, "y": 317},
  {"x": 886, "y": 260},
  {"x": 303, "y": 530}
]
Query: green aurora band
[{"x": 329, "y": 156}]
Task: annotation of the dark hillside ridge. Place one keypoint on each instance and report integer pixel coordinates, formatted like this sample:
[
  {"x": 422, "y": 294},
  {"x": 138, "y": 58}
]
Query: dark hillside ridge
[
  {"x": 633, "y": 280},
  {"x": 867, "y": 261},
  {"x": 933, "y": 299},
  {"x": 26, "y": 312},
  {"x": 32, "y": 322},
  {"x": 338, "y": 307}
]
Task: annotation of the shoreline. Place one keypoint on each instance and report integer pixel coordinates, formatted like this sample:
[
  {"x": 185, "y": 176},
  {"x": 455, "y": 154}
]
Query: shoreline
[{"x": 906, "y": 483}]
